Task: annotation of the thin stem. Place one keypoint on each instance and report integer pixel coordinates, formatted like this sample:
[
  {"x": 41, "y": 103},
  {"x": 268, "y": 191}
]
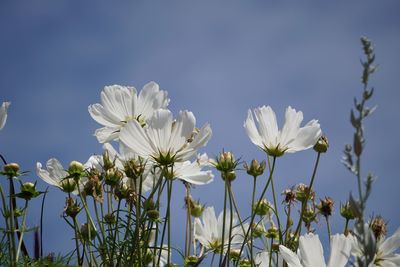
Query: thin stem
[
  {"x": 257, "y": 206},
  {"x": 12, "y": 229},
  {"x": 230, "y": 224},
  {"x": 270, "y": 252},
  {"x": 252, "y": 213},
  {"x": 169, "y": 188},
  {"x": 304, "y": 204},
  {"x": 22, "y": 231},
  {"x": 329, "y": 228},
  {"x": 276, "y": 210},
  {"x": 346, "y": 231},
  {"x": 76, "y": 229},
  {"x": 223, "y": 225},
  {"x": 8, "y": 231}
]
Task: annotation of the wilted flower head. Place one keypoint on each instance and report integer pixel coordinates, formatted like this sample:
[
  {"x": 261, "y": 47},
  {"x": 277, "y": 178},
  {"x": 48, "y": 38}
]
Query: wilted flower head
[
  {"x": 121, "y": 104},
  {"x": 3, "y": 113},
  {"x": 289, "y": 195},
  {"x": 164, "y": 140},
  {"x": 326, "y": 206},
  {"x": 378, "y": 227},
  {"x": 302, "y": 191},
  {"x": 291, "y": 138}
]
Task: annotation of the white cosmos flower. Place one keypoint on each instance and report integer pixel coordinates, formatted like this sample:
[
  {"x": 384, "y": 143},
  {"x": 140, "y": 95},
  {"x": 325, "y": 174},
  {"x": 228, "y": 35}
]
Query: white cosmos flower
[
  {"x": 311, "y": 253},
  {"x": 192, "y": 172},
  {"x": 165, "y": 140},
  {"x": 56, "y": 174},
  {"x": 120, "y": 104},
  {"x": 208, "y": 231},
  {"x": 385, "y": 250},
  {"x": 291, "y": 138},
  {"x": 3, "y": 113}
]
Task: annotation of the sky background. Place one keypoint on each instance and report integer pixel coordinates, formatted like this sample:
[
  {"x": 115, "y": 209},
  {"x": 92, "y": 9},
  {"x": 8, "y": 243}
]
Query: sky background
[{"x": 215, "y": 58}]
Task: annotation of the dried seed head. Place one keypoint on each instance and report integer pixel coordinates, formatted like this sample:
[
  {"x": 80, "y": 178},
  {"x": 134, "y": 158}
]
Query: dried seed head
[
  {"x": 326, "y": 206},
  {"x": 378, "y": 227}
]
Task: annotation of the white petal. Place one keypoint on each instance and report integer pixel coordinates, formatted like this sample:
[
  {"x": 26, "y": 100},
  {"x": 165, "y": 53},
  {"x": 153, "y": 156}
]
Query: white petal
[
  {"x": 103, "y": 116},
  {"x": 117, "y": 100},
  {"x": 306, "y": 138},
  {"x": 252, "y": 130},
  {"x": 134, "y": 137},
  {"x": 311, "y": 251},
  {"x": 95, "y": 162},
  {"x": 391, "y": 244},
  {"x": 106, "y": 134},
  {"x": 392, "y": 260},
  {"x": 45, "y": 176},
  {"x": 291, "y": 258},
  {"x": 200, "y": 140},
  {"x": 182, "y": 129},
  {"x": 160, "y": 128},
  {"x": 291, "y": 127},
  {"x": 268, "y": 127},
  {"x": 3, "y": 113},
  {"x": 340, "y": 250},
  {"x": 150, "y": 99}
]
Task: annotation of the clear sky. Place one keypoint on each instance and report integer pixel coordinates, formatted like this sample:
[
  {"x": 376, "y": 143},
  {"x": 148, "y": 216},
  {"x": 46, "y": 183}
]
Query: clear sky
[{"x": 215, "y": 58}]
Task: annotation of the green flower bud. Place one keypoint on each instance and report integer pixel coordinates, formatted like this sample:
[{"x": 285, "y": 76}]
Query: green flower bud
[
  {"x": 257, "y": 230},
  {"x": 153, "y": 215},
  {"x": 234, "y": 254},
  {"x": 255, "y": 169},
  {"x": 225, "y": 162},
  {"x": 107, "y": 162},
  {"x": 113, "y": 176},
  {"x": 191, "y": 261},
  {"x": 134, "y": 168},
  {"x": 11, "y": 169},
  {"x": 229, "y": 176},
  {"x": 110, "y": 219},
  {"x": 28, "y": 191},
  {"x": 196, "y": 209},
  {"x": 68, "y": 185},
  {"x": 272, "y": 233},
  {"x": 322, "y": 145},
  {"x": 245, "y": 263},
  {"x": 76, "y": 170},
  {"x": 262, "y": 208},
  {"x": 87, "y": 233},
  {"x": 346, "y": 211},
  {"x": 302, "y": 191}
]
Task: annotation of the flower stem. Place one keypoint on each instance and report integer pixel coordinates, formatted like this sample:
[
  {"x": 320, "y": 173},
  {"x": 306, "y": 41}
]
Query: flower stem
[
  {"x": 223, "y": 224},
  {"x": 276, "y": 210},
  {"x": 257, "y": 206},
  {"x": 22, "y": 231}
]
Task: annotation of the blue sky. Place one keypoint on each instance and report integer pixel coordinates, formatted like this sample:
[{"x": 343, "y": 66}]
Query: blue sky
[{"x": 215, "y": 58}]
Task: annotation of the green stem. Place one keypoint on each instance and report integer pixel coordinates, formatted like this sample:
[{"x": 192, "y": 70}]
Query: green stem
[
  {"x": 76, "y": 229},
  {"x": 276, "y": 210},
  {"x": 270, "y": 252},
  {"x": 257, "y": 206},
  {"x": 304, "y": 203},
  {"x": 12, "y": 230},
  {"x": 223, "y": 225},
  {"x": 329, "y": 228},
  {"x": 253, "y": 194},
  {"x": 22, "y": 231},
  {"x": 230, "y": 225},
  {"x": 8, "y": 231}
]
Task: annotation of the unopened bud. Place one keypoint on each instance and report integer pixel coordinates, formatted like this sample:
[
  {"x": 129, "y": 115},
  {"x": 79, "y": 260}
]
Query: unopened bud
[
  {"x": 75, "y": 169},
  {"x": 245, "y": 263},
  {"x": 346, "y": 211},
  {"x": 110, "y": 219},
  {"x": 68, "y": 185},
  {"x": 228, "y": 176},
  {"x": 107, "y": 162},
  {"x": 226, "y": 162},
  {"x": 88, "y": 232},
  {"x": 255, "y": 169},
  {"x": 153, "y": 215},
  {"x": 234, "y": 254},
  {"x": 191, "y": 261},
  {"x": 322, "y": 145},
  {"x": 11, "y": 169},
  {"x": 134, "y": 168},
  {"x": 71, "y": 207},
  {"x": 272, "y": 233},
  {"x": 303, "y": 191},
  {"x": 262, "y": 208},
  {"x": 257, "y": 230},
  {"x": 113, "y": 176},
  {"x": 196, "y": 209},
  {"x": 28, "y": 191}
]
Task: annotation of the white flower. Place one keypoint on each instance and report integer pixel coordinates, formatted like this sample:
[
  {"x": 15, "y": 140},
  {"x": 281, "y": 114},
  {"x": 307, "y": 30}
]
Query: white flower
[
  {"x": 311, "y": 253},
  {"x": 191, "y": 171},
  {"x": 3, "y": 114},
  {"x": 165, "y": 140},
  {"x": 120, "y": 104},
  {"x": 209, "y": 231},
  {"x": 385, "y": 252},
  {"x": 262, "y": 260},
  {"x": 291, "y": 138}
]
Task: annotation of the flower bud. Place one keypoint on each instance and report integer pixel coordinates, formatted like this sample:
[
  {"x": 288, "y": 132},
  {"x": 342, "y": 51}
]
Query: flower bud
[
  {"x": 255, "y": 169},
  {"x": 134, "y": 168},
  {"x": 28, "y": 191},
  {"x": 153, "y": 215},
  {"x": 191, "y": 261},
  {"x": 11, "y": 169},
  {"x": 302, "y": 191},
  {"x": 326, "y": 206},
  {"x": 68, "y": 185},
  {"x": 234, "y": 254},
  {"x": 107, "y": 162},
  {"x": 87, "y": 232},
  {"x": 290, "y": 196},
  {"x": 76, "y": 169},
  {"x": 245, "y": 263},
  {"x": 113, "y": 176},
  {"x": 229, "y": 176},
  {"x": 262, "y": 208},
  {"x": 71, "y": 207},
  {"x": 226, "y": 162},
  {"x": 378, "y": 227},
  {"x": 272, "y": 233},
  {"x": 121, "y": 191},
  {"x": 196, "y": 209},
  {"x": 257, "y": 230},
  {"x": 346, "y": 211},
  {"x": 322, "y": 145},
  {"x": 309, "y": 215},
  {"x": 94, "y": 188},
  {"x": 110, "y": 219}
]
